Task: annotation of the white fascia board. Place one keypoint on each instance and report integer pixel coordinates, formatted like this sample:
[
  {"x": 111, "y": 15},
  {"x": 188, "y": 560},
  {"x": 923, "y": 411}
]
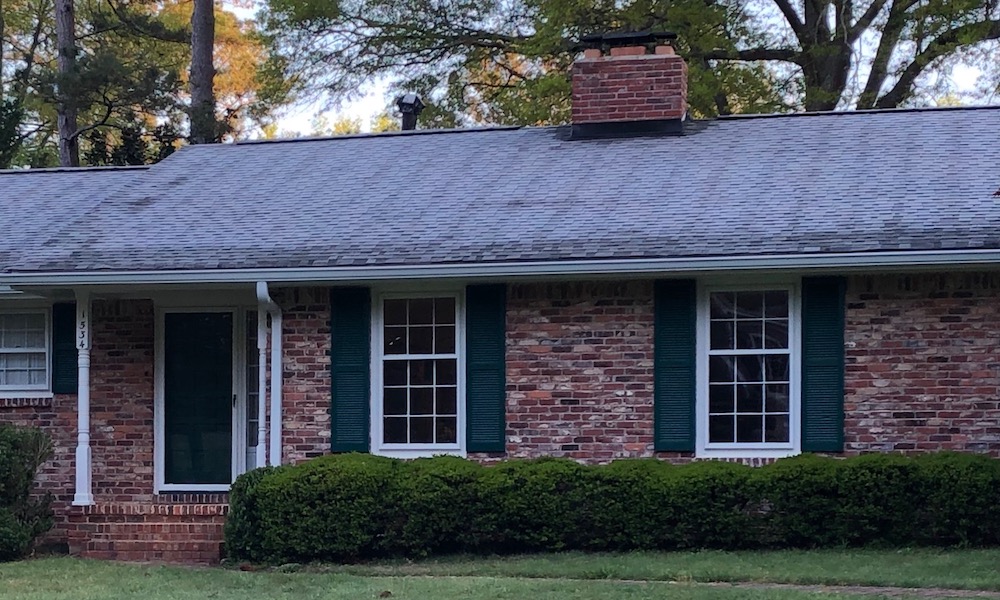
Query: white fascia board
[{"x": 867, "y": 261}]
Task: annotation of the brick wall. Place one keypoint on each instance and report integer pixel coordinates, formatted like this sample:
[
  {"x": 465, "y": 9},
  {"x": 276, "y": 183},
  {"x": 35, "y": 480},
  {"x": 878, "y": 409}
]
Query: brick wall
[
  {"x": 923, "y": 363},
  {"x": 629, "y": 85},
  {"x": 580, "y": 370},
  {"x": 306, "y": 389}
]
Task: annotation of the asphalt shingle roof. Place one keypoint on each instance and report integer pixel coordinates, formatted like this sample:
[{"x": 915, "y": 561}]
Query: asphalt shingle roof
[
  {"x": 837, "y": 182},
  {"x": 35, "y": 203}
]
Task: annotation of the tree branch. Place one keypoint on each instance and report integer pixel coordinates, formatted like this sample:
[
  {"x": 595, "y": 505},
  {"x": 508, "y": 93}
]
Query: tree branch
[
  {"x": 942, "y": 45},
  {"x": 865, "y": 20},
  {"x": 753, "y": 54},
  {"x": 792, "y": 17}
]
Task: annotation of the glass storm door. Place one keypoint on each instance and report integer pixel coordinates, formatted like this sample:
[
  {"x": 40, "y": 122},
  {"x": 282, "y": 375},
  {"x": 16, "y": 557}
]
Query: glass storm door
[{"x": 198, "y": 397}]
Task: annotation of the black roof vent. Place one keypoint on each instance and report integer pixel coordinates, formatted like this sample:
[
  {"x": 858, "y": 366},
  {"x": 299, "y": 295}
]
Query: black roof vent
[{"x": 410, "y": 105}]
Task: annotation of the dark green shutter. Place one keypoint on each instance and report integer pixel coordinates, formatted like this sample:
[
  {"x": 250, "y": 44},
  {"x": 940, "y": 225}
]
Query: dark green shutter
[
  {"x": 64, "y": 353},
  {"x": 674, "y": 339},
  {"x": 823, "y": 364},
  {"x": 350, "y": 369},
  {"x": 485, "y": 319}
]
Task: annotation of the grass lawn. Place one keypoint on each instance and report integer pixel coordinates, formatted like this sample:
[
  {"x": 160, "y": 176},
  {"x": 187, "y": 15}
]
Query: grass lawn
[
  {"x": 549, "y": 577},
  {"x": 958, "y": 569}
]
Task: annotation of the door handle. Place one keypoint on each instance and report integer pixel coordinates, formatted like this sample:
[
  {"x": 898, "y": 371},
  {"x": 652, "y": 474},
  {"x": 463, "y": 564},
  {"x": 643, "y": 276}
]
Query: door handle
[{"x": 234, "y": 400}]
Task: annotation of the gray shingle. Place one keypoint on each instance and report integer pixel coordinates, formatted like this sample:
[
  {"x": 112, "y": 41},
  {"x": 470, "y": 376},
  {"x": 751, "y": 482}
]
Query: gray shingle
[
  {"x": 842, "y": 182},
  {"x": 36, "y": 203}
]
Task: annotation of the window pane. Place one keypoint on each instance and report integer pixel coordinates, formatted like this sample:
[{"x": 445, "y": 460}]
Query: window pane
[
  {"x": 394, "y": 401},
  {"x": 776, "y": 304},
  {"x": 422, "y": 311},
  {"x": 749, "y": 428},
  {"x": 776, "y": 334},
  {"x": 748, "y": 368},
  {"x": 421, "y": 340},
  {"x": 446, "y": 401},
  {"x": 749, "y": 335},
  {"x": 395, "y": 312},
  {"x": 776, "y": 428},
  {"x": 776, "y": 367},
  {"x": 422, "y": 430},
  {"x": 720, "y": 429},
  {"x": 749, "y": 398},
  {"x": 421, "y": 372},
  {"x": 447, "y": 373},
  {"x": 720, "y": 368},
  {"x": 777, "y": 398},
  {"x": 723, "y": 336},
  {"x": 720, "y": 399},
  {"x": 395, "y": 340},
  {"x": 447, "y": 430},
  {"x": 723, "y": 305},
  {"x": 394, "y": 372},
  {"x": 749, "y": 305},
  {"x": 422, "y": 401},
  {"x": 444, "y": 340},
  {"x": 444, "y": 311},
  {"x": 395, "y": 430}
]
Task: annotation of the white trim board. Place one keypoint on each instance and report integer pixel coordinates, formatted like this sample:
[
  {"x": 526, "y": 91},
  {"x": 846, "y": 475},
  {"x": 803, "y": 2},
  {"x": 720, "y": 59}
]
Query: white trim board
[{"x": 854, "y": 261}]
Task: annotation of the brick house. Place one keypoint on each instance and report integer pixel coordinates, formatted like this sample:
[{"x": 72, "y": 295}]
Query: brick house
[{"x": 635, "y": 284}]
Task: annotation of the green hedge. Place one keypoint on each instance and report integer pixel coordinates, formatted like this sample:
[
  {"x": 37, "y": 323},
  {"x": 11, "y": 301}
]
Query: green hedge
[
  {"x": 23, "y": 515},
  {"x": 356, "y": 506}
]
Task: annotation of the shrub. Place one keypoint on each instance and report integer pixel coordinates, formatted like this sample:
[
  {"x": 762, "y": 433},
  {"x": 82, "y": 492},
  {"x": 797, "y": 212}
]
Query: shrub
[
  {"x": 23, "y": 515},
  {"x": 960, "y": 500},
  {"x": 342, "y": 507},
  {"x": 529, "y": 506},
  {"x": 242, "y": 528},
  {"x": 797, "y": 498},
  {"x": 439, "y": 505},
  {"x": 353, "y": 506}
]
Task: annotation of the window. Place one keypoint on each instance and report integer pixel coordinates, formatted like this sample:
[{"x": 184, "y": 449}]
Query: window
[
  {"x": 748, "y": 390},
  {"x": 24, "y": 351},
  {"x": 417, "y": 390}
]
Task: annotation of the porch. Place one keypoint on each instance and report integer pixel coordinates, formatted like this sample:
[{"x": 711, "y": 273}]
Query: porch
[{"x": 166, "y": 410}]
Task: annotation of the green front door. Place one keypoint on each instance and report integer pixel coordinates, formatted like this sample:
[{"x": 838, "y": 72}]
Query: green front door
[{"x": 198, "y": 398}]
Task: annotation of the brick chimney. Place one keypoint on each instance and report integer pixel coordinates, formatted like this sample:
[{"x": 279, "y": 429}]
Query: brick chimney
[{"x": 628, "y": 84}]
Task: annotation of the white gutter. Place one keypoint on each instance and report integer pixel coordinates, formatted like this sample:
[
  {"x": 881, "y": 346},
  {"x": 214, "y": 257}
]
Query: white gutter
[
  {"x": 783, "y": 262},
  {"x": 266, "y": 307}
]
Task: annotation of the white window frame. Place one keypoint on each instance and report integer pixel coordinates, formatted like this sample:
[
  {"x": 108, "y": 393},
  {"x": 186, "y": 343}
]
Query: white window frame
[
  {"x": 43, "y": 390},
  {"x": 704, "y": 449},
  {"x": 239, "y": 411},
  {"x": 378, "y": 446}
]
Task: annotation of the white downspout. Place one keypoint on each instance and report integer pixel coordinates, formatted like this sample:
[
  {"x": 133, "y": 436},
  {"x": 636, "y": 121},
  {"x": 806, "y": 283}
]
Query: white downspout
[
  {"x": 277, "y": 370},
  {"x": 260, "y": 449}
]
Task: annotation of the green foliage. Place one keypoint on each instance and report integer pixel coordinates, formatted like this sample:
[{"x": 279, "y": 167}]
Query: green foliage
[
  {"x": 507, "y": 62},
  {"x": 23, "y": 516},
  {"x": 355, "y": 506},
  {"x": 958, "y": 499}
]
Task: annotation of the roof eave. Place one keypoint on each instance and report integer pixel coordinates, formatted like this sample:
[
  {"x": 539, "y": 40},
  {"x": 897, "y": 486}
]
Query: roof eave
[{"x": 853, "y": 262}]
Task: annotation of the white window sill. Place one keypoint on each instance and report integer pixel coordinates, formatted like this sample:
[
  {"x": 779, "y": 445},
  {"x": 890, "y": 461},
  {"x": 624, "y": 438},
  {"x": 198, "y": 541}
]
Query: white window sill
[
  {"x": 746, "y": 453},
  {"x": 409, "y": 453},
  {"x": 193, "y": 488},
  {"x": 25, "y": 395}
]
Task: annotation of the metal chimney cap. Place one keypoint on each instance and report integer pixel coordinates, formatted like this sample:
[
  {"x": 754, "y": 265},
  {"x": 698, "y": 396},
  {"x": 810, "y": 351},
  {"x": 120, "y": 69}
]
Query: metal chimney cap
[
  {"x": 614, "y": 39},
  {"x": 410, "y": 104}
]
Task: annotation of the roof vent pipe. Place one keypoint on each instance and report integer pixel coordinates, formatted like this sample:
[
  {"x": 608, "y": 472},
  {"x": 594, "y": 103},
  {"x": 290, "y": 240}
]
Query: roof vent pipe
[{"x": 410, "y": 105}]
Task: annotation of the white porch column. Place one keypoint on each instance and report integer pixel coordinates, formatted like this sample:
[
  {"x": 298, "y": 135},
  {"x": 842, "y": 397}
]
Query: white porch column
[
  {"x": 261, "y": 449},
  {"x": 84, "y": 491}
]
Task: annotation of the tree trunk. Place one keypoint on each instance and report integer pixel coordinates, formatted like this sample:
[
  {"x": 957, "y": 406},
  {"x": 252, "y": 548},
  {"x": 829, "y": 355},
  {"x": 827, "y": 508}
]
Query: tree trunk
[
  {"x": 204, "y": 127},
  {"x": 69, "y": 142}
]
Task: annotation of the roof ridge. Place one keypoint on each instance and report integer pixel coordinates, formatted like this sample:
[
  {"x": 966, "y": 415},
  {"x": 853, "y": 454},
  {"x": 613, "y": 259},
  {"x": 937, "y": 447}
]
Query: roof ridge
[
  {"x": 382, "y": 134},
  {"x": 862, "y": 111}
]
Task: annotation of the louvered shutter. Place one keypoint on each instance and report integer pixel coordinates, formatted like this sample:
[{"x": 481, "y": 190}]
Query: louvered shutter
[
  {"x": 674, "y": 365},
  {"x": 350, "y": 367},
  {"x": 485, "y": 383},
  {"x": 823, "y": 364}
]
